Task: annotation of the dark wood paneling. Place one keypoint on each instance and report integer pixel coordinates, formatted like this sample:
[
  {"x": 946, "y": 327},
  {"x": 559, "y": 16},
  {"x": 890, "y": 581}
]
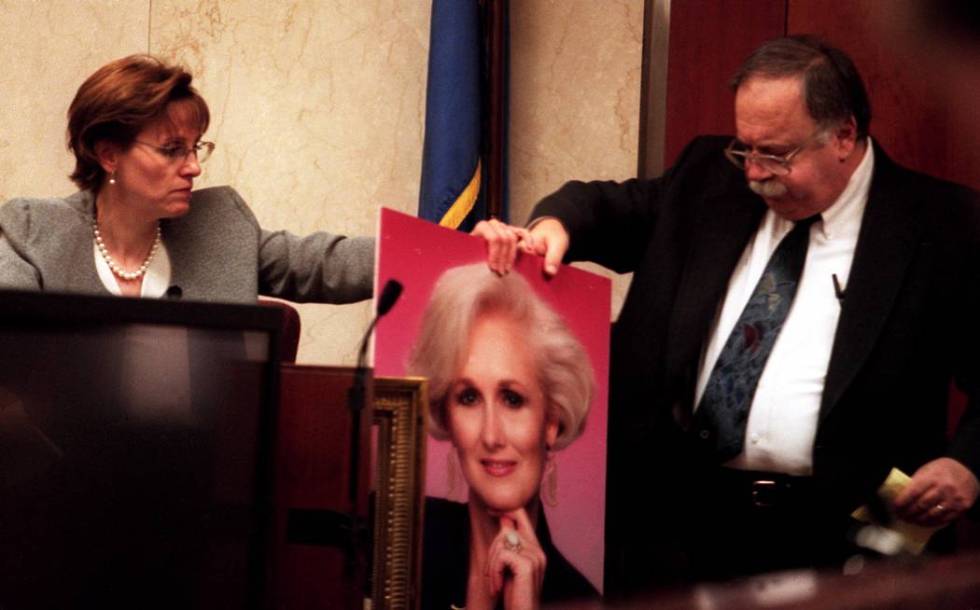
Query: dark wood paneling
[
  {"x": 708, "y": 40},
  {"x": 909, "y": 119},
  {"x": 320, "y": 562}
]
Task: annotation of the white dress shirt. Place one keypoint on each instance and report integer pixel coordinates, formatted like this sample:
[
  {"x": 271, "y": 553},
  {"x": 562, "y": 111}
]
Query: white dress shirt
[{"x": 782, "y": 422}]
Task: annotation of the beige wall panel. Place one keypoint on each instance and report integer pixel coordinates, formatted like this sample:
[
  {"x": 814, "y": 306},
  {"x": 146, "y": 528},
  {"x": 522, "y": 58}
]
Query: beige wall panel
[
  {"x": 48, "y": 48},
  {"x": 575, "y": 96},
  {"x": 317, "y": 112}
]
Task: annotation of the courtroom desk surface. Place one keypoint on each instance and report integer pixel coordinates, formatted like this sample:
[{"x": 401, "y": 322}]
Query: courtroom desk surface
[{"x": 946, "y": 583}]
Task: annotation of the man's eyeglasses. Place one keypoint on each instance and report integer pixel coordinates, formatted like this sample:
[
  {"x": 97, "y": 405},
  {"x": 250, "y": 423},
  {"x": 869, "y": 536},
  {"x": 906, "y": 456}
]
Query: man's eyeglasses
[
  {"x": 178, "y": 153},
  {"x": 779, "y": 165}
]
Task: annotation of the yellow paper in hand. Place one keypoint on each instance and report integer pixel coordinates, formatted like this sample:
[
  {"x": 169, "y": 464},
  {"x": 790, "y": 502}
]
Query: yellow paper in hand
[{"x": 914, "y": 536}]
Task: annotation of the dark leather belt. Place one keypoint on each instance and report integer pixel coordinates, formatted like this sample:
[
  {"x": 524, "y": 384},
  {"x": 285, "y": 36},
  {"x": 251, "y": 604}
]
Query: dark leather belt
[{"x": 762, "y": 490}]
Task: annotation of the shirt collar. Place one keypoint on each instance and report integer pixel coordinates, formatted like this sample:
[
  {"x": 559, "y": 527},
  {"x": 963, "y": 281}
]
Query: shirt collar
[{"x": 848, "y": 209}]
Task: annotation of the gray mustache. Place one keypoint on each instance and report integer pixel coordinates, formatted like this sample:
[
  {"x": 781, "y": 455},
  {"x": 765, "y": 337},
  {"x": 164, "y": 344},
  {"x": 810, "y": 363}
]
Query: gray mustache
[{"x": 767, "y": 188}]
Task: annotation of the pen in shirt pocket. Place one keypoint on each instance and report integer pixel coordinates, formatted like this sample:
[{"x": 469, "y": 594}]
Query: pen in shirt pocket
[{"x": 838, "y": 289}]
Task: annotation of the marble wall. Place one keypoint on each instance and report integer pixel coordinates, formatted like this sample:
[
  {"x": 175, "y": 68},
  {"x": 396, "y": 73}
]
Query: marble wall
[{"x": 318, "y": 105}]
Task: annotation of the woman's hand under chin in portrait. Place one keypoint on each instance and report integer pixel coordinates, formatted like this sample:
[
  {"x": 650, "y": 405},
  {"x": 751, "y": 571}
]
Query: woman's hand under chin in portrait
[{"x": 516, "y": 563}]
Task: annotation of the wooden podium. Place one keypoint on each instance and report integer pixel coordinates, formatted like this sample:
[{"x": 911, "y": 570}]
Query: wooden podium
[{"x": 328, "y": 550}]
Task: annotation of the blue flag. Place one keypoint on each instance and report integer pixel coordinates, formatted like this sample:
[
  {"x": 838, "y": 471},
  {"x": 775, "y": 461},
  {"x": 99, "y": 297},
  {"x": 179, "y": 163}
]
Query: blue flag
[{"x": 453, "y": 172}]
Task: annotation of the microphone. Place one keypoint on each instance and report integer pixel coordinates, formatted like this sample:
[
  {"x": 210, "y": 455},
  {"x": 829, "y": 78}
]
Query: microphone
[
  {"x": 355, "y": 403},
  {"x": 174, "y": 292},
  {"x": 389, "y": 296},
  {"x": 355, "y": 395}
]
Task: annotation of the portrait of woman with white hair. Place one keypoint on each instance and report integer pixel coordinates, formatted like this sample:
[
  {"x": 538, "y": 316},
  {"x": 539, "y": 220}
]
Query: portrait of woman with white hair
[{"x": 509, "y": 386}]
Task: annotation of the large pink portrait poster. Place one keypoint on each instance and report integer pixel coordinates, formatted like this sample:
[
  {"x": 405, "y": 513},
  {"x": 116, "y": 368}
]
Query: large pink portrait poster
[{"x": 417, "y": 254}]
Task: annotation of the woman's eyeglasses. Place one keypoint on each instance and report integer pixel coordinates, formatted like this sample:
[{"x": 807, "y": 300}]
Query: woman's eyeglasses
[{"x": 178, "y": 153}]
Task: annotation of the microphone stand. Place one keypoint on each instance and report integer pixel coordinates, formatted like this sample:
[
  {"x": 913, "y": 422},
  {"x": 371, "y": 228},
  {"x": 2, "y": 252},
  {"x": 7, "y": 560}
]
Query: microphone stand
[{"x": 356, "y": 403}]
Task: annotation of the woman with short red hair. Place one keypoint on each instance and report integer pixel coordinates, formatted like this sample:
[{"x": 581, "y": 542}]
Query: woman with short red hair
[{"x": 137, "y": 228}]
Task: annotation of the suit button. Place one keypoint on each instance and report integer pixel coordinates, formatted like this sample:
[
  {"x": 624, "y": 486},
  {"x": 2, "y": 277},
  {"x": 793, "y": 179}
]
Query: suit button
[{"x": 705, "y": 434}]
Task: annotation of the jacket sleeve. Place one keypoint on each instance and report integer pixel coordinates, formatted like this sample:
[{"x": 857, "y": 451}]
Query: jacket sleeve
[
  {"x": 320, "y": 267},
  {"x": 965, "y": 444},
  {"x": 16, "y": 270},
  {"x": 610, "y": 223}
]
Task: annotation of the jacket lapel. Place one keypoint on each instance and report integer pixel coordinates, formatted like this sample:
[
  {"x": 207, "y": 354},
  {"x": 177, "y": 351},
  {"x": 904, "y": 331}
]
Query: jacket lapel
[
  {"x": 80, "y": 273},
  {"x": 886, "y": 245},
  {"x": 725, "y": 226}
]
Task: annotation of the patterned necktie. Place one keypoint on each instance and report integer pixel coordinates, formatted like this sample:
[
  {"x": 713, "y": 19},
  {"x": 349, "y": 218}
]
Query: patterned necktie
[{"x": 724, "y": 408}]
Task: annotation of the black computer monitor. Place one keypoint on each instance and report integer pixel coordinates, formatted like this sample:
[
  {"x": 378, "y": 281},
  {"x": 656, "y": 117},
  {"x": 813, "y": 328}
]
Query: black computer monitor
[{"x": 136, "y": 443}]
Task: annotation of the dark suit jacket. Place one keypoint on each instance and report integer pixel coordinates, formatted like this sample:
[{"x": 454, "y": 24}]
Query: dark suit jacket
[{"x": 910, "y": 323}]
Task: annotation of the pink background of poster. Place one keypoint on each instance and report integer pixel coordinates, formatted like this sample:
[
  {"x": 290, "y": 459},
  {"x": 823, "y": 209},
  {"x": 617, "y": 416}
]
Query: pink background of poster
[{"x": 416, "y": 252}]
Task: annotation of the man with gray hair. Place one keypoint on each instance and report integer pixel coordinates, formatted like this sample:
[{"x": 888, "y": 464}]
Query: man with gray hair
[{"x": 799, "y": 307}]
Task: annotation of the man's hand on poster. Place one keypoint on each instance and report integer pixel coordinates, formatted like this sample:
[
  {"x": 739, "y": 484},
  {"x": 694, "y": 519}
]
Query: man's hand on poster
[
  {"x": 939, "y": 492},
  {"x": 550, "y": 240},
  {"x": 515, "y": 568},
  {"x": 546, "y": 238}
]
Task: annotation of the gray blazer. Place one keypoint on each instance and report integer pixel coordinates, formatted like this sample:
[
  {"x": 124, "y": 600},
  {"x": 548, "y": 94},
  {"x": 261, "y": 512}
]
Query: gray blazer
[{"x": 218, "y": 252}]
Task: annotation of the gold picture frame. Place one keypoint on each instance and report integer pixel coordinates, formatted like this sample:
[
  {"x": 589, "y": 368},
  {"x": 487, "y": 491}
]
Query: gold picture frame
[{"x": 399, "y": 416}]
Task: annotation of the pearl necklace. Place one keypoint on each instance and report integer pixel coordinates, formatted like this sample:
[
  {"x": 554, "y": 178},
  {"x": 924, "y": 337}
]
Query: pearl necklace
[{"x": 116, "y": 269}]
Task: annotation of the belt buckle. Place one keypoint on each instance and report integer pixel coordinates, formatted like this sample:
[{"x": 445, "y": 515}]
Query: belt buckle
[{"x": 764, "y": 493}]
